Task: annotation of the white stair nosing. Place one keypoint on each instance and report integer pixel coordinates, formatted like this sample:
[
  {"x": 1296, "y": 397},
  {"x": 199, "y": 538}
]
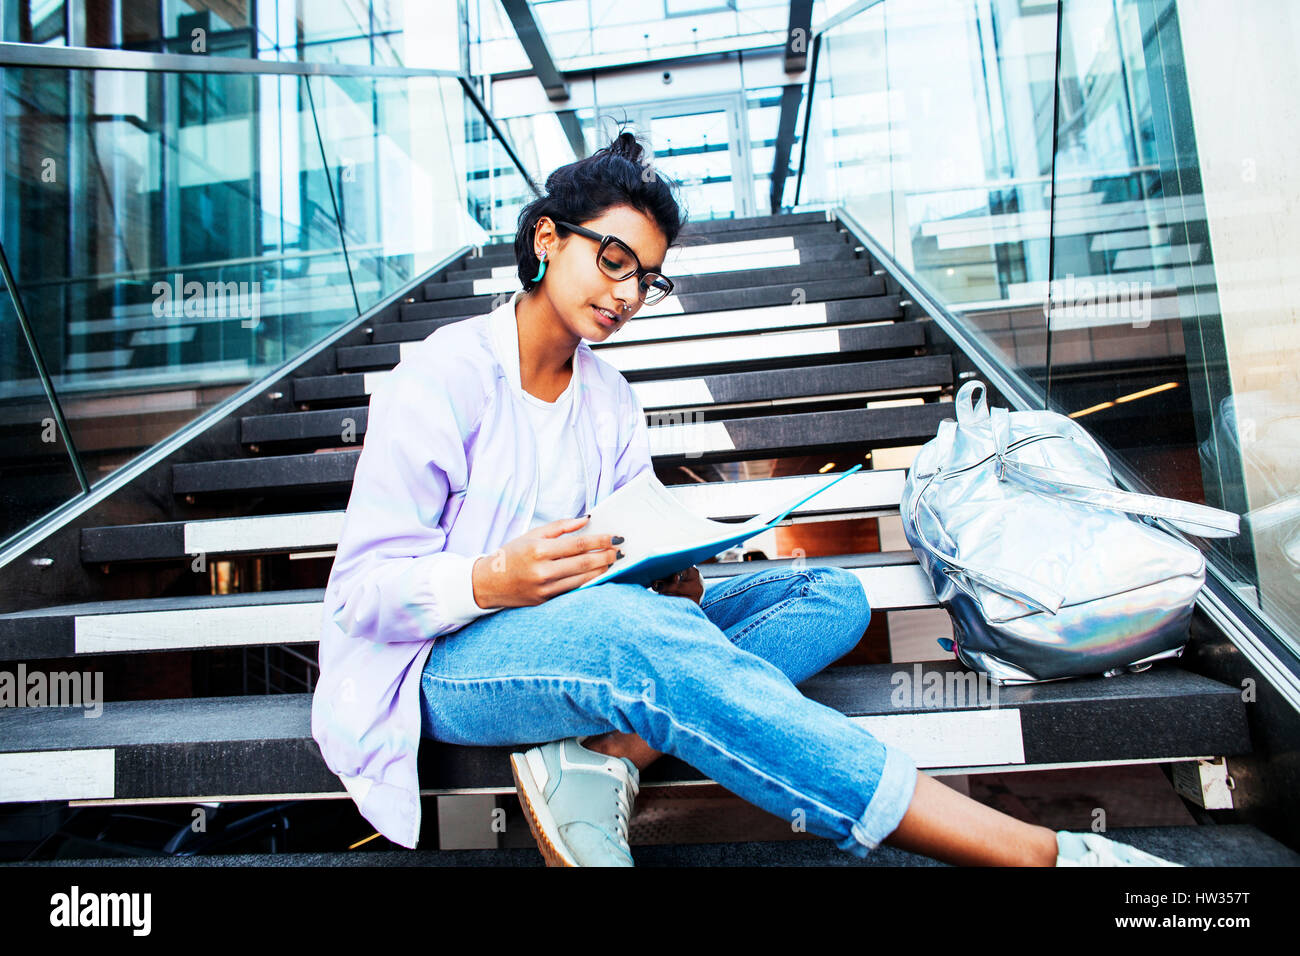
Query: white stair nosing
[
  {"x": 873, "y": 490},
  {"x": 889, "y": 588}
]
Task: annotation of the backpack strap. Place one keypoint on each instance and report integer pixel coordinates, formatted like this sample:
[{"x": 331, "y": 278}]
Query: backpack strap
[
  {"x": 972, "y": 403},
  {"x": 1199, "y": 520}
]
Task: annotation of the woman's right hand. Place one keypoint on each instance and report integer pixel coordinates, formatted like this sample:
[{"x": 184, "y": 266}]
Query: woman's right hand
[{"x": 541, "y": 563}]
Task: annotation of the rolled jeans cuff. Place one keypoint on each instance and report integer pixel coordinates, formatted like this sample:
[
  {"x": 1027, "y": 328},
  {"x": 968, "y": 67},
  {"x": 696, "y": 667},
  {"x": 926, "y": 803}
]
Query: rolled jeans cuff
[{"x": 888, "y": 805}]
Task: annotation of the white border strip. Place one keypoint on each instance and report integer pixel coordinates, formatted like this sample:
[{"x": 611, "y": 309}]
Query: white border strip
[{"x": 56, "y": 775}]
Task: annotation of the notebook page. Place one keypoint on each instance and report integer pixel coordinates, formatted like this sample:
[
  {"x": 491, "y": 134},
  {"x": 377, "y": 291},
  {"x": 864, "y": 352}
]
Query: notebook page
[{"x": 650, "y": 520}]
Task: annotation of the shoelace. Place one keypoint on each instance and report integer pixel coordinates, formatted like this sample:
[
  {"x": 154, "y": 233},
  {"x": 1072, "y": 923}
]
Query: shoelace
[{"x": 627, "y": 791}]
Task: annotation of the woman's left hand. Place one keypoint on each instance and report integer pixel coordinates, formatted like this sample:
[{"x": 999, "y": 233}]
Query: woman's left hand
[{"x": 682, "y": 584}]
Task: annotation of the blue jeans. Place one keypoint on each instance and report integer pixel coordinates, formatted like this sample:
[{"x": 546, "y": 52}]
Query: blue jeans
[{"x": 712, "y": 684}]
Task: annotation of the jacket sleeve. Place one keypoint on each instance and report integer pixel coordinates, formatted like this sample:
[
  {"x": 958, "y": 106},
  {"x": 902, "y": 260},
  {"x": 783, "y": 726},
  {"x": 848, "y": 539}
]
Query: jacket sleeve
[
  {"x": 392, "y": 579},
  {"x": 634, "y": 455}
]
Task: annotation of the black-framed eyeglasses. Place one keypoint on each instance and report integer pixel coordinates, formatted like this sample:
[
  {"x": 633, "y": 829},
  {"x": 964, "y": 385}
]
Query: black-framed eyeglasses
[{"x": 615, "y": 259}]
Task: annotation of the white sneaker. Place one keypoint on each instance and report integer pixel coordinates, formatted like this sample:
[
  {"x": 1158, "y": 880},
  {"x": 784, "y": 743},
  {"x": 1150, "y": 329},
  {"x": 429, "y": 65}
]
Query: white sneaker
[
  {"x": 1093, "y": 849},
  {"x": 578, "y": 802}
]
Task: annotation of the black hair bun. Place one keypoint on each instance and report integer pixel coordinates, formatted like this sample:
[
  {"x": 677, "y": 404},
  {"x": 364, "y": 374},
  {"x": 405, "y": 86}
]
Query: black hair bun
[{"x": 626, "y": 145}]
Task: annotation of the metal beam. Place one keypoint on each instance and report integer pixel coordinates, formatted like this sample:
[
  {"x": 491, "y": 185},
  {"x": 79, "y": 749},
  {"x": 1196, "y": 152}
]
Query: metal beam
[
  {"x": 798, "y": 38},
  {"x": 790, "y": 97},
  {"x": 499, "y": 133},
  {"x": 534, "y": 44},
  {"x": 573, "y": 130}
]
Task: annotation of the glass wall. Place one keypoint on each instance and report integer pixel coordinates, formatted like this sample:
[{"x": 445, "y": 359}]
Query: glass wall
[
  {"x": 172, "y": 237},
  {"x": 946, "y": 162},
  {"x": 410, "y": 33},
  {"x": 583, "y": 34},
  {"x": 764, "y": 115},
  {"x": 1108, "y": 218}
]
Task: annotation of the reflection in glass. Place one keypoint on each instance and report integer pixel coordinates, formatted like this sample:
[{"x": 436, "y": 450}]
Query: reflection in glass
[
  {"x": 1015, "y": 194},
  {"x": 37, "y": 474}
]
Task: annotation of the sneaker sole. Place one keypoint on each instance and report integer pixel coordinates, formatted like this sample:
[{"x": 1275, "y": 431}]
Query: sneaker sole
[{"x": 540, "y": 821}]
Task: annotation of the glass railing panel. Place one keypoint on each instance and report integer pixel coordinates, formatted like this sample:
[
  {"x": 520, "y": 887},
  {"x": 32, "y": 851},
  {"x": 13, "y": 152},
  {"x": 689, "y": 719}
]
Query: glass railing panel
[
  {"x": 35, "y": 21},
  {"x": 539, "y": 141},
  {"x": 362, "y": 32},
  {"x": 37, "y": 473},
  {"x": 694, "y": 150},
  {"x": 943, "y": 160},
  {"x": 1132, "y": 196},
  {"x": 971, "y": 164},
  {"x": 763, "y": 107},
  {"x": 497, "y": 189},
  {"x": 168, "y": 242},
  {"x": 396, "y": 155},
  {"x": 1173, "y": 335},
  {"x": 848, "y": 159}
]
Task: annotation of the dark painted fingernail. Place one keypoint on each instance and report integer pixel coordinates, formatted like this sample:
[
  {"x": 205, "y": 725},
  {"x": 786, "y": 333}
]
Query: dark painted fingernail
[
  {"x": 618, "y": 555},
  {"x": 617, "y": 539}
]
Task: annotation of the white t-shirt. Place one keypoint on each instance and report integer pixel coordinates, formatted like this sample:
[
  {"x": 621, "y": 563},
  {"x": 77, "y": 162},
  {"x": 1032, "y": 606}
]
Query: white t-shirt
[{"x": 562, "y": 491}]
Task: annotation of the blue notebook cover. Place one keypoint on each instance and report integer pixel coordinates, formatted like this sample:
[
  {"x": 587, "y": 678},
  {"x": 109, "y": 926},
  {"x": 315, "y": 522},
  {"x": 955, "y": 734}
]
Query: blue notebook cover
[{"x": 657, "y": 508}]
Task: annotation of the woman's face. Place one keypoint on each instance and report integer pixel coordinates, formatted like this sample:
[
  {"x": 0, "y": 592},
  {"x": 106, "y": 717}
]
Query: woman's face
[{"x": 574, "y": 285}]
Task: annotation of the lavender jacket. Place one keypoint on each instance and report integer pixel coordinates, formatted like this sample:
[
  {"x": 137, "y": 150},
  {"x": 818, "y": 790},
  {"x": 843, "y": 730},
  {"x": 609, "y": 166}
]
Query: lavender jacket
[{"x": 448, "y": 472}]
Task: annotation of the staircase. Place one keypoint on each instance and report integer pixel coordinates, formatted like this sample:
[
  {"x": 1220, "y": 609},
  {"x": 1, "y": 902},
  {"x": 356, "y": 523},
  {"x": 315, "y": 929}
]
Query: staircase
[{"x": 197, "y": 591}]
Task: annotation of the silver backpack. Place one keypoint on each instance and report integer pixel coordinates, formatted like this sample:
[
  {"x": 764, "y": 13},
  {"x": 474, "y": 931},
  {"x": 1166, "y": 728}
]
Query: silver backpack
[{"x": 1037, "y": 555}]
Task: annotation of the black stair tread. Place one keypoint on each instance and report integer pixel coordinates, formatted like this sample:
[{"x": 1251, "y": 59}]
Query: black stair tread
[
  {"x": 872, "y": 308},
  {"x": 1232, "y": 844},
  {"x": 175, "y": 602},
  {"x": 701, "y": 281},
  {"x": 52, "y": 632},
  {"x": 749, "y": 438},
  {"x": 733, "y": 297},
  {"x": 165, "y": 540},
  {"x": 803, "y": 232},
  {"x": 770, "y": 384},
  {"x": 477, "y": 268},
  {"x": 329, "y": 388},
  {"x": 804, "y": 235},
  {"x": 712, "y": 226},
  {"x": 872, "y": 491},
  {"x": 799, "y": 434},
  {"x": 716, "y": 228},
  {"x": 1115, "y": 719},
  {"x": 883, "y": 336},
  {"x": 319, "y": 473},
  {"x": 893, "y": 580},
  {"x": 262, "y": 744},
  {"x": 855, "y": 690},
  {"x": 194, "y": 602},
  {"x": 852, "y": 341}
]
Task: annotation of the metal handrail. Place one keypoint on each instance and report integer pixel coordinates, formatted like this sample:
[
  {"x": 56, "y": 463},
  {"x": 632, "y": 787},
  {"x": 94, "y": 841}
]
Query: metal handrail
[
  {"x": 500, "y": 133},
  {"x": 94, "y": 58},
  {"x": 144, "y": 271}
]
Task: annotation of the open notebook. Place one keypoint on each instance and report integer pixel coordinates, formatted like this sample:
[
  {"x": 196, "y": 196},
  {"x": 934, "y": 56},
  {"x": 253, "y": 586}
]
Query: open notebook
[{"x": 661, "y": 537}]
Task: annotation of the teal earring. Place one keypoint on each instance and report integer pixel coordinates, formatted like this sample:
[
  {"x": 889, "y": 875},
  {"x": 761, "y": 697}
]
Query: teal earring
[{"x": 541, "y": 270}]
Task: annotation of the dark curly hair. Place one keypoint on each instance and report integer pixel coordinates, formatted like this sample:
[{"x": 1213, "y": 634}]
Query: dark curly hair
[{"x": 613, "y": 176}]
